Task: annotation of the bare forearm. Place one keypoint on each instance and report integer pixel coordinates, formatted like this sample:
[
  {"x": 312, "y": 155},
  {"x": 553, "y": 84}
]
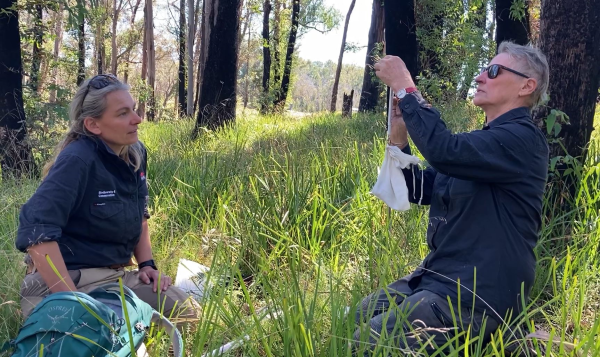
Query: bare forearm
[
  {"x": 56, "y": 283},
  {"x": 143, "y": 250}
]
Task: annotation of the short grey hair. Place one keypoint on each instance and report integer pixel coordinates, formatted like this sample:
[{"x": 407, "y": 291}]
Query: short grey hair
[{"x": 534, "y": 64}]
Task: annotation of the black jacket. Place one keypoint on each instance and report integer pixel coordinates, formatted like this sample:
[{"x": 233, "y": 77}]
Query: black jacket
[
  {"x": 485, "y": 190},
  {"x": 92, "y": 203}
]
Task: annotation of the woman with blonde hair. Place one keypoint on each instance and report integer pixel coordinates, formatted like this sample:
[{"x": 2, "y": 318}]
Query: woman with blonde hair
[{"x": 89, "y": 216}]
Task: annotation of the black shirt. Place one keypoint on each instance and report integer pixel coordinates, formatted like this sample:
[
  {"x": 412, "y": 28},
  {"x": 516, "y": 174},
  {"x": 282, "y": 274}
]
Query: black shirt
[
  {"x": 485, "y": 190},
  {"x": 91, "y": 202}
]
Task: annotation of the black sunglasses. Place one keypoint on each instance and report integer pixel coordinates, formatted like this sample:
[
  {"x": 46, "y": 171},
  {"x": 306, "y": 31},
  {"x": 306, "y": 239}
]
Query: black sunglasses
[
  {"x": 100, "y": 81},
  {"x": 494, "y": 70}
]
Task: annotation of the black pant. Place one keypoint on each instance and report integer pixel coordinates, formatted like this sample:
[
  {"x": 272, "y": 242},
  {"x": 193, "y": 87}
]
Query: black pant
[{"x": 407, "y": 320}]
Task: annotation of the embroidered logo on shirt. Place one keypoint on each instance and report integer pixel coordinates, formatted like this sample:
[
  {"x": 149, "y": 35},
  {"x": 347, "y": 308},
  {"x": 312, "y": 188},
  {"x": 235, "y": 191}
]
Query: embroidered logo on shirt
[
  {"x": 142, "y": 176},
  {"x": 104, "y": 194}
]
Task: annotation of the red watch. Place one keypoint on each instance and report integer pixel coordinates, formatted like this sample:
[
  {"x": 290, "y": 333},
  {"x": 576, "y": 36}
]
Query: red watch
[{"x": 404, "y": 91}]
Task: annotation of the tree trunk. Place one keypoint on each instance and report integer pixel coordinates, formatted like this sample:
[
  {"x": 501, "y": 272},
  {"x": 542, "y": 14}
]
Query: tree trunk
[
  {"x": 401, "y": 34},
  {"x": 266, "y": 57},
  {"x": 132, "y": 26},
  {"x": 197, "y": 51},
  {"x": 58, "y": 30},
  {"x": 371, "y": 88},
  {"x": 276, "y": 42},
  {"x": 207, "y": 10},
  {"x": 36, "y": 58},
  {"x": 15, "y": 154},
  {"x": 190, "y": 57},
  {"x": 182, "y": 70},
  {"x": 247, "y": 79},
  {"x": 99, "y": 49},
  {"x": 141, "y": 111},
  {"x": 117, "y": 6},
  {"x": 151, "y": 60},
  {"x": 80, "y": 41},
  {"x": 509, "y": 28},
  {"x": 338, "y": 71},
  {"x": 570, "y": 38},
  {"x": 279, "y": 102},
  {"x": 347, "y": 105},
  {"x": 219, "y": 77}
]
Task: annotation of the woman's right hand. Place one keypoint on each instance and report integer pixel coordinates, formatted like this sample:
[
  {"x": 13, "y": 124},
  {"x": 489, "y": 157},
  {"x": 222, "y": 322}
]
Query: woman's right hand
[{"x": 398, "y": 131}]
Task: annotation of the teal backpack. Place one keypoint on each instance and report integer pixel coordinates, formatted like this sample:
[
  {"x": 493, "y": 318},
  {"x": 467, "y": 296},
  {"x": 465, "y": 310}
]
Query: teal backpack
[{"x": 61, "y": 326}]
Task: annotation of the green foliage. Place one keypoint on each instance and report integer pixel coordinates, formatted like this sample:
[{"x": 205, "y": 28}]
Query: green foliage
[
  {"x": 314, "y": 14},
  {"x": 518, "y": 9},
  {"x": 454, "y": 44}
]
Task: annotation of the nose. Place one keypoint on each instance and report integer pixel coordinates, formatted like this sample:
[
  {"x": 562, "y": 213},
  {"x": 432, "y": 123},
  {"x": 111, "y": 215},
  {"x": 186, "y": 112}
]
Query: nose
[
  {"x": 136, "y": 119},
  {"x": 481, "y": 77}
]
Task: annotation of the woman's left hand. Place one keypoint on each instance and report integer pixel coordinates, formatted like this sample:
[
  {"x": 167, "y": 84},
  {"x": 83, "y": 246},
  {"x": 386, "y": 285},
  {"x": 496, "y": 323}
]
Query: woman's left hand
[{"x": 148, "y": 275}]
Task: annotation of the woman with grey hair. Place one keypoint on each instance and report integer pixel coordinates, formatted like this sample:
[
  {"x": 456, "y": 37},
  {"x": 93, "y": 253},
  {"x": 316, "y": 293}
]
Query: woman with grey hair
[
  {"x": 89, "y": 216},
  {"x": 485, "y": 191}
]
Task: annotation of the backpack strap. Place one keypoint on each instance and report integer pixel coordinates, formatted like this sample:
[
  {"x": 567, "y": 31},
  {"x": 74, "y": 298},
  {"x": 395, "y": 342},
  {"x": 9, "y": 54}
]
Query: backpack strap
[{"x": 176, "y": 339}]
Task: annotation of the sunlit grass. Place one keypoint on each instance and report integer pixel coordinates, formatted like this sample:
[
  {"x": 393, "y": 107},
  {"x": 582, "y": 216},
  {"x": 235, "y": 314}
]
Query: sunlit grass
[{"x": 280, "y": 209}]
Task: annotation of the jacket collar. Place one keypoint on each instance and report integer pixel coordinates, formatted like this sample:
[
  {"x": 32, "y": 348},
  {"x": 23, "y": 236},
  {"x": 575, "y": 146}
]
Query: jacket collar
[
  {"x": 521, "y": 112},
  {"x": 101, "y": 145}
]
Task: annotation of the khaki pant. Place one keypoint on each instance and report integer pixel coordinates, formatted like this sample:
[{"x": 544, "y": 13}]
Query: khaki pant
[{"x": 173, "y": 303}]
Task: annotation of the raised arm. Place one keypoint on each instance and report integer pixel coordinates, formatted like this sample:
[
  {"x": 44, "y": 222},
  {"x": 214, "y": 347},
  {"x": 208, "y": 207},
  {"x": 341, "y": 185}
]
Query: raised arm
[{"x": 498, "y": 154}]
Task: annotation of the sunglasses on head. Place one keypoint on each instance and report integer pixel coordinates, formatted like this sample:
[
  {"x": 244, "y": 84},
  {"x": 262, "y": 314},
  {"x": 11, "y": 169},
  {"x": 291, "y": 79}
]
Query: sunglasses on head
[
  {"x": 494, "y": 70},
  {"x": 100, "y": 81}
]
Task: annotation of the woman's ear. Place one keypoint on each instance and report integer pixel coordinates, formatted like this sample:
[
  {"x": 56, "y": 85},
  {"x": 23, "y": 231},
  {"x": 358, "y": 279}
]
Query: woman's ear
[
  {"x": 528, "y": 87},
  {"x": 92, "y": 126}
]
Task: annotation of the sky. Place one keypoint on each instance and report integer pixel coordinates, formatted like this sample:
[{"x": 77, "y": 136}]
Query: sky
[
  {"x": 313, "y": 45},
  {"x": 316, "y": 46}
]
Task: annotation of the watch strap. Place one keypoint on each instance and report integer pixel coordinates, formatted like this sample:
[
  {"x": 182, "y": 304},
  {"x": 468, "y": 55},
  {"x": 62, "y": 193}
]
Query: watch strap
[{"x": 148, "y": 263}]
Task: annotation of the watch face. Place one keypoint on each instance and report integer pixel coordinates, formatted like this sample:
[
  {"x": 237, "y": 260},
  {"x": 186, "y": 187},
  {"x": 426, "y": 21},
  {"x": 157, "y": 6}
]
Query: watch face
[{"x": 401, "y": 94}]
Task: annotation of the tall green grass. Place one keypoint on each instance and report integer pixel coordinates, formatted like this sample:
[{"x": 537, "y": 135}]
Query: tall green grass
[{"x": 280, "y": 209}]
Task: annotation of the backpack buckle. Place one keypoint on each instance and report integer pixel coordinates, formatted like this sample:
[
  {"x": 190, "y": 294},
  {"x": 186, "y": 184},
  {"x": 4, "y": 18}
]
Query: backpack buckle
[{"x": 140, "y": 327}]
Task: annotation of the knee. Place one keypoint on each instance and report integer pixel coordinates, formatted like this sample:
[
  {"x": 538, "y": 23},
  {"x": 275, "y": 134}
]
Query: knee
[{"x": 181, "y": 306}]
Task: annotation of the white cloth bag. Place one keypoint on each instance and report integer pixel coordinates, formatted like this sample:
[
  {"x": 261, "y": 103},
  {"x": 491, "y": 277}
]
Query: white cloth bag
[{"x": 391, "y": 185}]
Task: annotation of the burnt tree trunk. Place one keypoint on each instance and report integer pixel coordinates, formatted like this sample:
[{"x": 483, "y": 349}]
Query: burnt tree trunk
[
  {"x": 338, "y": 71},
  {"x": 217, "y": 102},
  {"x": 80, "y": 41},
  {"x": 570, "y": 38},
  {"x": 347, "y": 105},
  {"x": 509, "y": 28},
  {"x": 182, "y": 94},
  {"x": 36, "y": 58},
  {"x": 401, "y": 34},
  {"x": 371, "y": 87},
  {"x": 15, "y": 154},
  {"x": 281, "y": 96},
  {"x": 266, "y": 57}
]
